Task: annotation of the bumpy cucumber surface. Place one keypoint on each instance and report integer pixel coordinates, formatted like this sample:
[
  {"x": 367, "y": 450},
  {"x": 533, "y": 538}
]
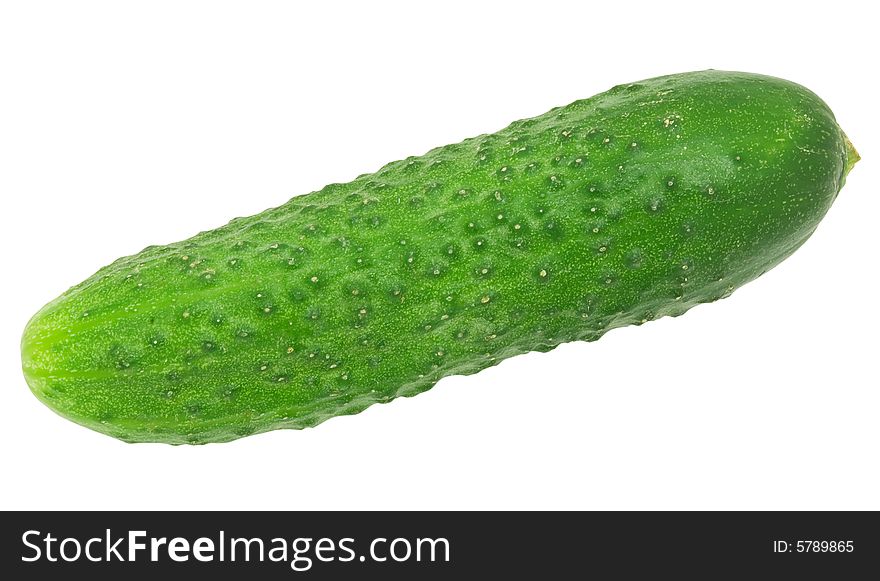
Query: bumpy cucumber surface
[{"x": 635, "y": 204}]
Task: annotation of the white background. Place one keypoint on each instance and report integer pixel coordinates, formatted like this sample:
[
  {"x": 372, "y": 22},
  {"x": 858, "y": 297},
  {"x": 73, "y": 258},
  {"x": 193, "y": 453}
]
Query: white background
[{"x": 124, "y": 124}]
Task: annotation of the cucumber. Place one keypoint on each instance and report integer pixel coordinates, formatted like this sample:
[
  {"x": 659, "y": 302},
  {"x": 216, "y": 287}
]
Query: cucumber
[{"x": 635, "y": 204}]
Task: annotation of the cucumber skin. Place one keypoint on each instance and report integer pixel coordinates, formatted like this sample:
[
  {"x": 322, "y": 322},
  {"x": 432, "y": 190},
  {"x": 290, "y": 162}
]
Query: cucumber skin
[{"x": 637, "y": 203}]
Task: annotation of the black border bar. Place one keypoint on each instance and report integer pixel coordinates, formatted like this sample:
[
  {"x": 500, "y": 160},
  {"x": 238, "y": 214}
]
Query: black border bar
[{"x": 552, "y": 545}]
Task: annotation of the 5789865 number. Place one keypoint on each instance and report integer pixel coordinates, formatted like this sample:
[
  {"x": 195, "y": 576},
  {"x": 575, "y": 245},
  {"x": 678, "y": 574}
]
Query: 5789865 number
[{"x": 824, "y": 547}]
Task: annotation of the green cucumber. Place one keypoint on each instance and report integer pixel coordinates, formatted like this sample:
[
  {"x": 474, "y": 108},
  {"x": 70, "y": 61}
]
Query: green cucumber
[{"x": 635, "y": 204}]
